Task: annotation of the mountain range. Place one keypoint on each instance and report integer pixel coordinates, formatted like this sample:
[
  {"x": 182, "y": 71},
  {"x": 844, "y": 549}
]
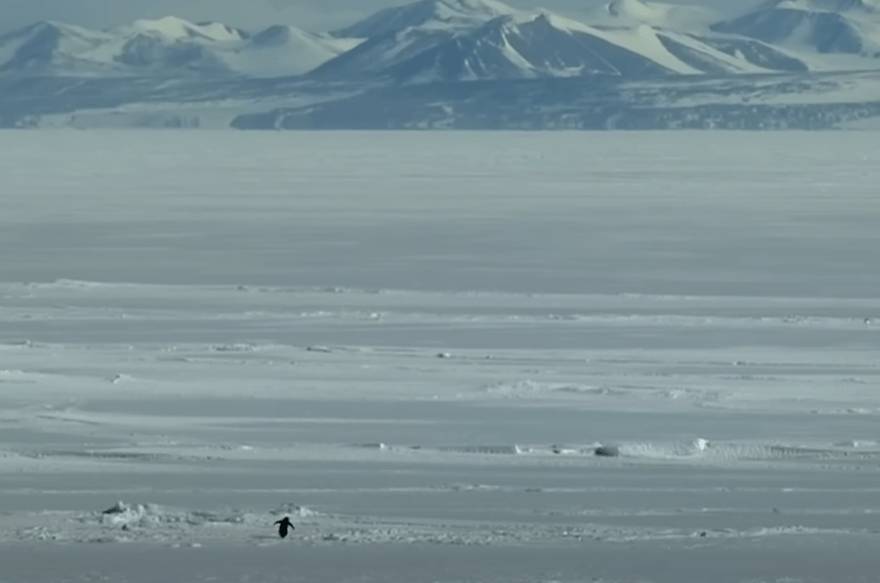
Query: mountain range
[{"x": 824, "y": 55}]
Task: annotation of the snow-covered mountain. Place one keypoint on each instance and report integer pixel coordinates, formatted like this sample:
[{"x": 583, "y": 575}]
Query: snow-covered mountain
[
  {"x": 668, "y": 16},
  {"x": 469, "y": 40},
  {"x": 428, "y": 14},
  {"x": 176, "y": 29},
  {"x": 174, "y": 72},
  {"x": 505, "y": 47},
  {"x": 823, "y": 27},
  {"x": 166, "y": 46},
  {"x": 285, "y": 50},
  {"x": 516, "y": 45},
  {"x": 51, "y": 47}
]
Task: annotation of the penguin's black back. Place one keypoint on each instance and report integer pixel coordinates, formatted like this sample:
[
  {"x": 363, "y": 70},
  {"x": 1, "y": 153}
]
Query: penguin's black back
[{"x": 284, "y": 526}]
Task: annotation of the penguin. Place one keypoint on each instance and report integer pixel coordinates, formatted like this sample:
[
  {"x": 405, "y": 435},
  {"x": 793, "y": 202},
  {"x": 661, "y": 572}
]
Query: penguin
[{"x": 283, "y": 525}]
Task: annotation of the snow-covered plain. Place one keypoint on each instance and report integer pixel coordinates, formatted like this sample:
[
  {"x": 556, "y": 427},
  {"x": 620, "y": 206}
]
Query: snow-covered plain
[{"x": 414, "y": 344}]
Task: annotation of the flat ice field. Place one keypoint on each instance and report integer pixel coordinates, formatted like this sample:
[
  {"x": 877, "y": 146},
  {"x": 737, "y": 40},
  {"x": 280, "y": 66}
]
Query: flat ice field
[{"x": 413, "y": 344}]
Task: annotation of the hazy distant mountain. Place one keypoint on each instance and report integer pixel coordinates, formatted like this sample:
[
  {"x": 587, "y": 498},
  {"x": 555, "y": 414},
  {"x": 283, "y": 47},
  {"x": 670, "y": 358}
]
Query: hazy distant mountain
[
  {"x": 174, "y": 72},
  {"x": 822, "y": 26},
  {"x": 167, "y": 46},
  {"x": 285, "y": 50},
  {"x": 51, "y": 47}
]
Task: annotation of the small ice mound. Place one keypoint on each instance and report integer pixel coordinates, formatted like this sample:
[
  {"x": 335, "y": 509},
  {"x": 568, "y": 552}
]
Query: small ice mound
[
  {"x": 859, "y": 411},
  {"x": 70, "y": 284},
  {"x": 294, "y": 511},
  {"x": 235, "y": 447},
  {"x": 317, "y": 314},
  {"x": 148, "y": 516},
  {"x": 380, "y": 446},
  {"x": 703, "y": 449},
  {"x": 607, "y": 451},
  {"x": 484, "y": 449},
  {"x": 18, "y": 344},
  {"x": 118, "y": 508},
  {"x": 590, "y": 391},
  {"x": 39, "y": 533},
  {"x": 241, "y": 347},
  {"x": 514, "y": 389},
  {"x": 319, "y": 348},
  {"x": 530, "y": 388},
  {"x": 122, "y": 514},
  {"x": 463, "y": 487},
  {"x": 857, "y": 444},
  {"x": 694, "y": 448}
]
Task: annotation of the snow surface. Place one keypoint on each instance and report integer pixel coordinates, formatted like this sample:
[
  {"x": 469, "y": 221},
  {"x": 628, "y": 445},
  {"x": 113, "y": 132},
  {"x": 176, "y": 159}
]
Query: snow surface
[{"x": 414, "y": 345}]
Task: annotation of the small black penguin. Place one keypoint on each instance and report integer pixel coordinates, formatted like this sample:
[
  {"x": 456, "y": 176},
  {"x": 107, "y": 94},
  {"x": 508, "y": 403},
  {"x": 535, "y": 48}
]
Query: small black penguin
[{"x": 283, "y": 525}]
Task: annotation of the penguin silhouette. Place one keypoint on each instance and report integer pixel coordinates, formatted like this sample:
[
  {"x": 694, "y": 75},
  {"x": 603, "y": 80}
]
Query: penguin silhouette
[{"x": 283, "y": 525}]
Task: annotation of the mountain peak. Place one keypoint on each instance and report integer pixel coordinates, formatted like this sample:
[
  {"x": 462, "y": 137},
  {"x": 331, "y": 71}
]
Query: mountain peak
[
  {"x": 46, "y": 45},
  {"x": 171, "y": 26},
  {"x": 277, "y": 34},
  {"x": 826, "y": 27},
  {"x": 51, "y": 26},
  {"x": 655, "y": 14},
  {"x": 636, "y": 10},
  {"x": 175, "y": 28},
  {"x": 428, "y": 13}
]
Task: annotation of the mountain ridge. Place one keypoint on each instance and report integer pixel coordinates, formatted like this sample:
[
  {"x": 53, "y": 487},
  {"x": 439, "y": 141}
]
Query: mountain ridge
[
  {"x": 390, "y": 44},
  {"x": 221, "y": 72}
]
